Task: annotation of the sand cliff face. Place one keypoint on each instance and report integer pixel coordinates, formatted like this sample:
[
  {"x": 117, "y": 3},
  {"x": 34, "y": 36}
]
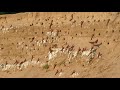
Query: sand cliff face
[
  {"x": 39, "y": 44},
  {"x": 58, "y": 18}
]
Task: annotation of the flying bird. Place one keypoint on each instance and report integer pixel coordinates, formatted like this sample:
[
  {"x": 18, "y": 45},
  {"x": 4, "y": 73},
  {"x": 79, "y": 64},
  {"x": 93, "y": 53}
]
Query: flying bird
[
  {"x": 73, "y": 72},
  {"x": 94, "y": 42},
  {"x": 98, "y": 44}
]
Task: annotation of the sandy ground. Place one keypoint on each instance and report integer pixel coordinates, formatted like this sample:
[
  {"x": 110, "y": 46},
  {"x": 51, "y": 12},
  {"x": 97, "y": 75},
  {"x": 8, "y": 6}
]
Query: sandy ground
[{"x": 21, "y": 35}]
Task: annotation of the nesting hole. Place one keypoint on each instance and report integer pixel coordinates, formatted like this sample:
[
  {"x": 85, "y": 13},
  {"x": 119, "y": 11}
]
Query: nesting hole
[
  {"x": 106, "y": 31},
  {"x": 31, "y": 24},
  {"x": 32, "y": 44},
  {"x": 18, "y": 19},
  {"x": 112, "y": 31},
  {"x": 42, "y": 23},
  {"x": 99, "y": 34},
  {"x": 25, "y": 45},
  {"x": 92, "y": 16},
  {"x": 35, "y": 32},
  {"x": 47, "y": 37},
  {"x": 33, "y": 38},
  {"x": 45, "y": 19},
  {"x": 63, "y": 38}
]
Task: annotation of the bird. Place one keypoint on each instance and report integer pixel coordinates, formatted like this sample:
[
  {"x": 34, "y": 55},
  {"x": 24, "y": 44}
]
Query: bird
[
  {"x": 73, "y": 72},
  {"x": 97, "y": 44},
  {"x": 61, "y": 70},
  {"x": 67, "y": 46},
  {"x": 99, "y": 55},
  {"x": 24, "y": 60},
  {"x": 50, "y": 50},
  {"x": 91, "y": 42},
  {"x": 16, "y": 62},
  {"x": 79, "y": 49},
  {"x": 55, "y": 65},
  {"x": 56, "y": 72},
  {"x": 83, "y": 49},
  {"x": 92, "y": 48},
  {"x": 92, "y": 36},
  {"x": 72, "y": 46},
  {"x": 62, "y": 48},
  {"x": 94, "y": 42}
]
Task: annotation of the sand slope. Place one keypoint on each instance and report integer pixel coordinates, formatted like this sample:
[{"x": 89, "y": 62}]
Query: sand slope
[{"x": 21, "y": 35}]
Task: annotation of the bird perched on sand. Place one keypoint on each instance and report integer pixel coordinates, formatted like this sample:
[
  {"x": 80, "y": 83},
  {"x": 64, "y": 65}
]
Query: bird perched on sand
[
  {"x": 16, "y": 62},
  {"x": 92, "y": 36},
  {"x": 56, "y": 72},
  {"x": 99, "y": 55},
  {"x": 55, "y": 65},
  {"x": 73, "y": 72},
  {"x": 6, "y": 63}
]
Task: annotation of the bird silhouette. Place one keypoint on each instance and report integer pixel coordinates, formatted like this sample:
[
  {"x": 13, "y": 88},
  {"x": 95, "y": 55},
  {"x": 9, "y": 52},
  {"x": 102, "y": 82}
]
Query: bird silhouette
[
  {"x": 55, "y": 65},
  {"x": 99, "y": 54},
  {"x": 97, "y": 44},
  {"x": 94, "y": 42},
  {"x": 92, "y": 36},
  {"x": 73, "y": 72},
  {"x": 56, "y": 72},
  {"x": 16, "y": 62}
]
